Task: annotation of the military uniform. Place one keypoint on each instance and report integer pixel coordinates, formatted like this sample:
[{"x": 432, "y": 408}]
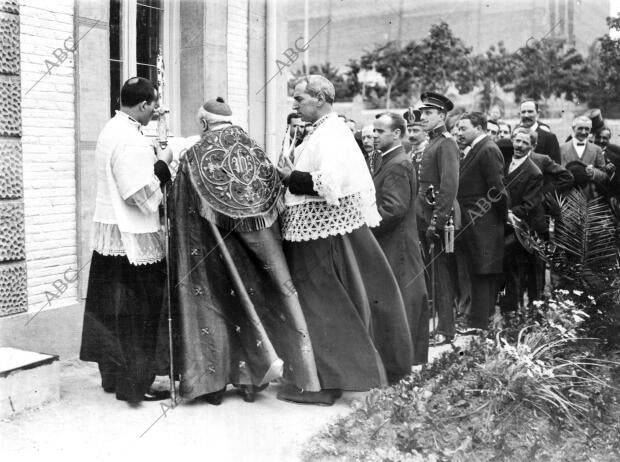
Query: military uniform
[
  {"x": 439, "y": 168},
  {"x": 412, "y": 116}
]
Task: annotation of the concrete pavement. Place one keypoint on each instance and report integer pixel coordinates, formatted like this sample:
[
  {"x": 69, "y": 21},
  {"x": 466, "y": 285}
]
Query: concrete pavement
[{"x": 88, "y": 424}]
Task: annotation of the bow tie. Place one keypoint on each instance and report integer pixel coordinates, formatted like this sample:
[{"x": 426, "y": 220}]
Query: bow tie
[{"x": 581, "y": 144}]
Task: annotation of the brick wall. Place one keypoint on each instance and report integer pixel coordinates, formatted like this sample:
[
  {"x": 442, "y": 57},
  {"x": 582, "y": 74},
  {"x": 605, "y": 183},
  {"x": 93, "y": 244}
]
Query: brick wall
[
  {"x": 237, "y": 54},
  {"x": 48, "y": 149}
]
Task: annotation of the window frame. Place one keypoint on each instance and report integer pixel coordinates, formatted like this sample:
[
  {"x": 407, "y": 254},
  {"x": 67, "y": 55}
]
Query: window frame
[{"x": 170, "y": 41}]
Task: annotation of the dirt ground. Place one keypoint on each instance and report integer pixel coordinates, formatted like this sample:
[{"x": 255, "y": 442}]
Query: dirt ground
[{"x": 88, "y": 424}]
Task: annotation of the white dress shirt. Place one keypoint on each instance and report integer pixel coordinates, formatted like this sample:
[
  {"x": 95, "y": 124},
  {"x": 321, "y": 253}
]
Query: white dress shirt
[
  {"x": 473, "y": 143},
  {"x": 580, "y": 147},
  {"x": 515, "y": 163}
]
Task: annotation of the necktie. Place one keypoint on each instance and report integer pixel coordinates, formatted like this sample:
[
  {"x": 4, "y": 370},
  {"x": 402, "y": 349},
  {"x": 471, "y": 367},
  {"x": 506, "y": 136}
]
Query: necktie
[
  {"x": 581, "y": 144},
  {"x": 465, "y": 152}
]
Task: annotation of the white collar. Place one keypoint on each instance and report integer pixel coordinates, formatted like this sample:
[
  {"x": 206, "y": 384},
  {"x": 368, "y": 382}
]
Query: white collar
[
  {"x": 477, "y": 140},
  {"x": 320, "y": 120},
  {"x": 129, "y": 119},
  {"x": 515, "y": 163},
  {"x": 534, "y": 127},
  {"x": 393, "y": 148}
]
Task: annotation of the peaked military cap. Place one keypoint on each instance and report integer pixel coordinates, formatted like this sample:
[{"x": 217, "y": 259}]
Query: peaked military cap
[{"x": 432, "y": 100}]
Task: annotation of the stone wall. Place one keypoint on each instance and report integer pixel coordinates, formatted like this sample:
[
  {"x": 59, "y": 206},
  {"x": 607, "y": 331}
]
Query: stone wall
[
  {"x": 237, "y": 54},
  {"x": 48, "y": 119},
  {"x": 13, "y": 289}
]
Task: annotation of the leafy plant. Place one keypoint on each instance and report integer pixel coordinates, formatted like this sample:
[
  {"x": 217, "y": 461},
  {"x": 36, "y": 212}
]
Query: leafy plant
[
  {"x": 537, "y": 392},
  {"x": 586, "y": 230}
]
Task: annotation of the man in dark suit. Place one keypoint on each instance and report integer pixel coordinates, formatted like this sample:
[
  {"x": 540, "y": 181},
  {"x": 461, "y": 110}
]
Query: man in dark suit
[
  {"x": 524, "y": 183},
  {"x": 547, "y": 141},
  {"x": 555, "y": 179},
  {"x": 396, "y": 189},
  {"x": 582, "y": 150},
  {"x": 368, "y": 145},
  {"x": 436, "y": 205},
  {"x": 484, "y": 207}
]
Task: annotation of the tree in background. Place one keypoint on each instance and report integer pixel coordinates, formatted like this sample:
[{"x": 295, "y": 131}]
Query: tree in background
[
  {"x": 604, "y": 60},
  {"x": 436, "y": 63},
  {"x": 345, "y": 88},
  {"x": 393, "y": 64},
  {"x": 441, "y": 60},
  {"x": 491, "y": 71},
  {"x": 549, "y": 67}
]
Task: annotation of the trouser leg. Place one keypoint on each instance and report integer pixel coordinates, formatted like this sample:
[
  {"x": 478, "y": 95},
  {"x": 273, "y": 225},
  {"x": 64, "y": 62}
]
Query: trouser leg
[
  {"x": 444, "y": 292},
  {"x": 535, "y": 277},
  {"x": 464, "y": 298},
  {"x": 484, "y": 294}
]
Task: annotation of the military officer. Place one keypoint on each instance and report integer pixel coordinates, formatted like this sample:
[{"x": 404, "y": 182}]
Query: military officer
[
  {"x": 417, "y": 136},
  {"x": 436, "y": 207}
]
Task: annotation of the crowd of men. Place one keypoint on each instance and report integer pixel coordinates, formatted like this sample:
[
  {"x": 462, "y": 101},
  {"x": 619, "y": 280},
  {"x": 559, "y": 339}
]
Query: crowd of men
[
  {"x": 488, "y": 178},
  {"x": 322, "y": 272}
]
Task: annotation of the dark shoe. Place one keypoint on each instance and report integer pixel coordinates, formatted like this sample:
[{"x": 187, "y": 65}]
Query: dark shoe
[
  {"x": 156, "y": 395},
  {"x": 248, "y": 392},
  {"x": 336, "y": 393},
  {"x": 151, "y": 395},
  {"x": 214, "y": 398},
  {"x": 295, "y": 395}
]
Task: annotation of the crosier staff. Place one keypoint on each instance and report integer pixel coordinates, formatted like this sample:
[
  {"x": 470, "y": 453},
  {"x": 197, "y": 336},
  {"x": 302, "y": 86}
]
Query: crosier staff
[{"x": 162, "y": 139}]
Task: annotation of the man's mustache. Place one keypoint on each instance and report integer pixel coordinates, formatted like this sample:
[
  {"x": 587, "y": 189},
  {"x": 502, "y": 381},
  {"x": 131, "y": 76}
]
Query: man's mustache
[{"x": 527, "y": 119}]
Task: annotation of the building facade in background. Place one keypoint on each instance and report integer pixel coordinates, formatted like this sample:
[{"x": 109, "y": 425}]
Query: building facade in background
[
  {"x": 61, "y": 68},
  {"x": 480, "y": 23}
]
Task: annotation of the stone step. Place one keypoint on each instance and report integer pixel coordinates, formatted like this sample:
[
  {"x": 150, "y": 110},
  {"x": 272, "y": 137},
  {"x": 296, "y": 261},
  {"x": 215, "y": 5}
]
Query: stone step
[{"x": 27, "y": 380}]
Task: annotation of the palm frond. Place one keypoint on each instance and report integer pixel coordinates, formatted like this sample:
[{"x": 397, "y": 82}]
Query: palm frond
[{"x": 587, "y": 230}]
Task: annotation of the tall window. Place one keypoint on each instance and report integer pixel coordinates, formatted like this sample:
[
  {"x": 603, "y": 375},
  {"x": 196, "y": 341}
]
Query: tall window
[
  {"x": 116, "y": 55},
  {"x": 149, "y": 15},
  {"x": 136, "y": 32}
]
